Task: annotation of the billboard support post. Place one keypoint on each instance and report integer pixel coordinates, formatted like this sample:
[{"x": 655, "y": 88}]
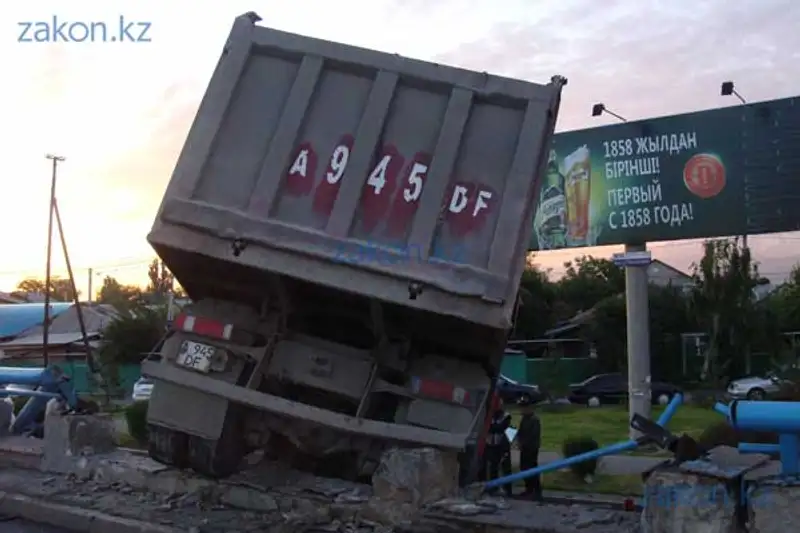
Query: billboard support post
[{"x": 638, "y": 323}]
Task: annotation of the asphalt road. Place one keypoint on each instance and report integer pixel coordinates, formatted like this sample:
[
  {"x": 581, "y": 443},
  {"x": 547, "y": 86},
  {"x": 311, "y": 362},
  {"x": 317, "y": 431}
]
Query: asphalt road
[{"x": 23, "y": 526}]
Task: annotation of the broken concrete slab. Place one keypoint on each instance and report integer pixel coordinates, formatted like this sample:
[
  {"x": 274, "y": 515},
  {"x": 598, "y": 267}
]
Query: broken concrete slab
[
  {"x": 205, "y": 512},
  {"x": 681, "y": 502},
  {"x": 416, "y": 476},
  {"x": 773, "y": 500},
  {"x": 69, "y": 435},
  {"x": 725, "y": 462}
]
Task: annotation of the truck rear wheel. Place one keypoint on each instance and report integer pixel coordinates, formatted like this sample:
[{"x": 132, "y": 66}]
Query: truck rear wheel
[
  {"x": 167, "y": 446},
  {"x": 219, "y": 458}
]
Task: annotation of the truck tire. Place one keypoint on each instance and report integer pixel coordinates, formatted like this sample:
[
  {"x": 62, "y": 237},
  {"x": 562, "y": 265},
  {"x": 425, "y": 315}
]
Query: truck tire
[
  {"x": 167, "y": 446},
  {"x": 222, "y": 457}
]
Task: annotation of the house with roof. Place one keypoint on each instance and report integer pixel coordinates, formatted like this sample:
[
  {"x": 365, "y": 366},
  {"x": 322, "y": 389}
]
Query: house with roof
[
  {"x": 6, "y": 298},
  {"x": 64, "y": 340},
  {"x": 18, "y": 317}
]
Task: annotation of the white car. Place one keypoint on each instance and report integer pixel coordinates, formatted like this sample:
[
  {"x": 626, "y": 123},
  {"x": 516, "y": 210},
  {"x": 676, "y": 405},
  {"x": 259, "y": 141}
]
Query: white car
[
  {"x": 753, "y": 388},
  {"x": 142, "y": 390}
]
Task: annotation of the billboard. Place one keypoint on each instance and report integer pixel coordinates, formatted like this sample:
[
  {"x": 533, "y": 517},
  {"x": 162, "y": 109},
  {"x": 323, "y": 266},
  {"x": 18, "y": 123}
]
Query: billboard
[{"x": 712, "y": 173}]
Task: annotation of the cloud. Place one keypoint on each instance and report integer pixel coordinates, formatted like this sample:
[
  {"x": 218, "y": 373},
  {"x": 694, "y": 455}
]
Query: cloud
[{"x": 646, "y": 59}]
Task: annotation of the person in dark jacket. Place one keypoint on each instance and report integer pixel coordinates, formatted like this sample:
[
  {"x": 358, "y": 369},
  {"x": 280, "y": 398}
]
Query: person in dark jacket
[
  {"x": 498, "y": 447},
  {"x": 529, "y": 440}
]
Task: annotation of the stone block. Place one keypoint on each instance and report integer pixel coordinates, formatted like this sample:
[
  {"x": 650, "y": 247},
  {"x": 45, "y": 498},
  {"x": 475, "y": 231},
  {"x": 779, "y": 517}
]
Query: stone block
[
  {"x": 415, "y": 476},
  {"x": 68, "y": 436},
  {"x": 773, "y": 505},
  {"x": 681, "y": 502}
]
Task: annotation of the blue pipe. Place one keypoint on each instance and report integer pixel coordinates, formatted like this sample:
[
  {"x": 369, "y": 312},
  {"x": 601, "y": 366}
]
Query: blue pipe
[
  {"x": 30, "y": 393},
  {"x": 670, "y": 410},
  {"x": 722, "y": 409},
  {"x": 611, "y": 449},
  {"x": 751, "y": 447}
]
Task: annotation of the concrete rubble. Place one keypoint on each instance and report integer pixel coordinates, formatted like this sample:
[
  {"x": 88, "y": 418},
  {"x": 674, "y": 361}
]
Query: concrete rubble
[
  {"x": 727, "y": 492},
  {"x": 419, "y": 497}
]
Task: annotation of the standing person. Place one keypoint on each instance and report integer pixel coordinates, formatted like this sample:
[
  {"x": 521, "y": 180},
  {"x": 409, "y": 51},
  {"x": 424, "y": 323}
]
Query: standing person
[
  {"x": 498, "y": 448},
  {"x": 529, "y": 440}
]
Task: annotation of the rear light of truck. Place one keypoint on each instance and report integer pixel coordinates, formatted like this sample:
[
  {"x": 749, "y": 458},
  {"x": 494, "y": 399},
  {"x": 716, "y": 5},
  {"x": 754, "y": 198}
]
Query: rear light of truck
[
  {"x": 203, "y": 326},
  {"x": 439, "y": 390}
]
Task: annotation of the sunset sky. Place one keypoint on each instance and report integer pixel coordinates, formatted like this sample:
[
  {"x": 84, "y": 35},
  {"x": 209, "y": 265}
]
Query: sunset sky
[{"x": 119, "y": 112}]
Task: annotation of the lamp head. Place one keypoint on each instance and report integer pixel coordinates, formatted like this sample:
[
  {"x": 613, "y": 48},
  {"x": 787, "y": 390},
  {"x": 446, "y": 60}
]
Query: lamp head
[{"x": 727, "y": 88}]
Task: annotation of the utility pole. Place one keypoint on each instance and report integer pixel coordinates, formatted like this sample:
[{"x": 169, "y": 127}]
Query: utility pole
[
  {"x": 638, "y": 329},
  {"x": 90, "y": 285},
  {"x": 45, "y": 338},
  {"x": 727, "y": 88}
]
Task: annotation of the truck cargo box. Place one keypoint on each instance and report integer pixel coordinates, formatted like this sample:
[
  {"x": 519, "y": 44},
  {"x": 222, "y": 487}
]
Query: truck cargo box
[{"x": 357, "y": 171}]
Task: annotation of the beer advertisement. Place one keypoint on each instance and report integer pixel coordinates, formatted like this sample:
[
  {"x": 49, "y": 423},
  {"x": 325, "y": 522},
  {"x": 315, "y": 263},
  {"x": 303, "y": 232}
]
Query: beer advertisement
[{"x": 679, "y": 177}]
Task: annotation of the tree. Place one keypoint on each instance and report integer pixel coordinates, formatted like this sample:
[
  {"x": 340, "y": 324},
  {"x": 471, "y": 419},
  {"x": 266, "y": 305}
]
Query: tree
[
  {"x": 114, "y": 293},
  {"x": 129, "y": 337},
  {"x": 723, "y": 304},
  {"x": 785, "y": 302},
  {"x": 536, "y": 298},
  {"x": 589, "y": 280},
  {"x": 161, "y": 279},
  {"x": 60, "y": 289},
  {"x": 606, "y": 329}
]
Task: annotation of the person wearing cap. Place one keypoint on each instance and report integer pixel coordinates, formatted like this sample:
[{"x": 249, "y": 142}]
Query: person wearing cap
[
  {"x": 498, "y": 447},
  {"x": 529, "y": 440}
]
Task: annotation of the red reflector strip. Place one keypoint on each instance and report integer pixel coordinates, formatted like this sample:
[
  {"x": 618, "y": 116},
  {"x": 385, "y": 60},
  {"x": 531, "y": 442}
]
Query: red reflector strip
[
  {"x": 439, "y": 390},
  {"x": 204, "y": 326}
]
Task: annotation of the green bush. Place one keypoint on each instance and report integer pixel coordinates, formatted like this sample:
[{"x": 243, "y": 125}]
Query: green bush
[
  {"x": 136, "y": 416},
  {"x": 575, "y": 446}
]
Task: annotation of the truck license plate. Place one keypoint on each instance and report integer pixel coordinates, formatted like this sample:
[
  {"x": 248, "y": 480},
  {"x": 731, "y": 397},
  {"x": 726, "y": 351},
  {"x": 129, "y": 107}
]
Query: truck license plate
[{"x": 196, "y": 356}]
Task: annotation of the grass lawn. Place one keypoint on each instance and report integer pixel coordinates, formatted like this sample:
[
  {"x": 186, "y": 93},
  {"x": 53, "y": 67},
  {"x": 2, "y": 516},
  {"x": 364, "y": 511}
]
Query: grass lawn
[{"x": 608, "y": 425}]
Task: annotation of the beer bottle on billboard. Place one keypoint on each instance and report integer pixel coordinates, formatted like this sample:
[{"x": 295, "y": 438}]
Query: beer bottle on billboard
[{"x": 550, "y": 224}]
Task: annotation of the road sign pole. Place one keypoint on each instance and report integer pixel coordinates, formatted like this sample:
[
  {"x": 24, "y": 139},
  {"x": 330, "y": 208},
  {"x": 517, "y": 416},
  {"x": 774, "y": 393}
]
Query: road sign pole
[{"x": 638, "y": 322}]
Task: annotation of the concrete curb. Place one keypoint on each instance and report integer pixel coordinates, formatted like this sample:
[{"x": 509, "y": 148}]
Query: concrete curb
[
  {"x": 74, "y": 518},
  {"x": 613, "y": 502}
]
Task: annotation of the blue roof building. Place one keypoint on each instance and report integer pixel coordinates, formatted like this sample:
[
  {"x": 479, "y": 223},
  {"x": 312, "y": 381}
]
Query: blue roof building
[{"x": 16, "y": 318}]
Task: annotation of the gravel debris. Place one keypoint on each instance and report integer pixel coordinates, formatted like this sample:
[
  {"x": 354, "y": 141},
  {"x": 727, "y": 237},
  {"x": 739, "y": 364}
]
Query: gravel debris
[{"x": 303, "y": 504}]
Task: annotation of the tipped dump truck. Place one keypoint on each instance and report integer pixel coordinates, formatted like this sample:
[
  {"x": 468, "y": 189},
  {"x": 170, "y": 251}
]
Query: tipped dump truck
[{"x": 351, "y": 227}]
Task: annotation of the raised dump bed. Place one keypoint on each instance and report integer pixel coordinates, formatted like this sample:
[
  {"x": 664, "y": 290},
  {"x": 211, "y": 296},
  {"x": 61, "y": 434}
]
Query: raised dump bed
[{"x": 352, "y": 226}]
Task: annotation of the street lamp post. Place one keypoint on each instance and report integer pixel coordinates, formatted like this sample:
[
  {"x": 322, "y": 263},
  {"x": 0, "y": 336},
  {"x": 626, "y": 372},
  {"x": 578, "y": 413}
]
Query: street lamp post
[
  {"x": 598, "y": 109},
  {"x": 637, "y": 317},
  {"x": 727, "y": 88}
]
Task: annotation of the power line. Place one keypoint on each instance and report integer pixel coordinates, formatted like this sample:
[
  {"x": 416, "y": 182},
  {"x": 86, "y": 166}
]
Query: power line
[{"x": 100, "y": 268}]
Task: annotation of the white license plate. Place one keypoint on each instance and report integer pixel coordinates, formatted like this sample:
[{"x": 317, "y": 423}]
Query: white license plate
[{"x": 196, "y": 356}]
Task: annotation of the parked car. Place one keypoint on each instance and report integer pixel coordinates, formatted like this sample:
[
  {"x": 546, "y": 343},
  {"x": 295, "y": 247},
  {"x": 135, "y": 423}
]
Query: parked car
[
  {"x": 754, "y": 387},
  {"x": 613, "y": 388},
  {"x": 512, "y": 391},
  {"x": 142, "y": 390}
]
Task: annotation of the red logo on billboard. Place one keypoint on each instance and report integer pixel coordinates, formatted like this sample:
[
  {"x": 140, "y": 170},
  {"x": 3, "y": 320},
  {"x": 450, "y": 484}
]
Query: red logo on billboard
[{"x": 704, "y": 175}]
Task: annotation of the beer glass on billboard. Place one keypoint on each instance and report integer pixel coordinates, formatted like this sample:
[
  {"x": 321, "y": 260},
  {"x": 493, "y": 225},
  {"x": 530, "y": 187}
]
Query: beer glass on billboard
[{"x": 578, "y": 168}]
